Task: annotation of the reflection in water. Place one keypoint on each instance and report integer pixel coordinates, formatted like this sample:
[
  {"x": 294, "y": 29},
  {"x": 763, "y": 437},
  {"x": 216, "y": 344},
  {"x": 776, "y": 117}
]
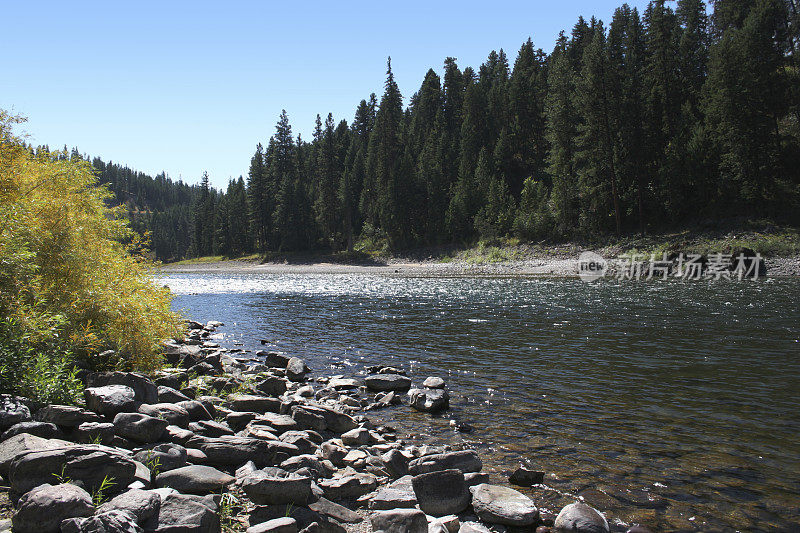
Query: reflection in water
[{"x": 674, "y": 404}]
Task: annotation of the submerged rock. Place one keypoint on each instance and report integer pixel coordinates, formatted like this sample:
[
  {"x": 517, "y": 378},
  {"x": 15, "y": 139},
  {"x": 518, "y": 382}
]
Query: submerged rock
[
  {"x": 388, "y": 382},
  {"x": 429, "y": 400},
  {"x": 580, "y": 518},
  {"x": 496, "y": 504}
]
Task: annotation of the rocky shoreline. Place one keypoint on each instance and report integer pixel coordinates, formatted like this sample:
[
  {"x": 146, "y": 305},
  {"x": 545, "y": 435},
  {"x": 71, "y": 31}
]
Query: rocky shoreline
[{"x": 218, "y": 442}]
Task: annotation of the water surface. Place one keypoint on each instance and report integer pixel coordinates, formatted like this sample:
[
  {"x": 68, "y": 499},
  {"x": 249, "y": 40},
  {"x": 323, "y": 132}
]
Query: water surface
[{"x": 673, "y": 404}]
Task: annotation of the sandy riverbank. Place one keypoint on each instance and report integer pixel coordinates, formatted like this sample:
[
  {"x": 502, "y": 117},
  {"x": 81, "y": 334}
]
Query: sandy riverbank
[{"x": 558, "y": 266}]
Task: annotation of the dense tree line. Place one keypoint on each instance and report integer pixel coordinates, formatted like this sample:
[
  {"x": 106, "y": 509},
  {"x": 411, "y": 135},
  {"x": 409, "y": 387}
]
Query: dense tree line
[
  {"x": 655, "y": 119},
  {"x": 658, "y": 119}
]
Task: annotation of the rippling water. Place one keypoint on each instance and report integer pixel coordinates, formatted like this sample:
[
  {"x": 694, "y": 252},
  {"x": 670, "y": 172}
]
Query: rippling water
[{"x": 673, "y": 404}]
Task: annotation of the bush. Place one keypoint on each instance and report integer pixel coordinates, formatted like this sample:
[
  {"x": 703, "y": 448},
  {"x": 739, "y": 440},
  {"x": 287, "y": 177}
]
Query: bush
[{"x": 72, "y": 282}]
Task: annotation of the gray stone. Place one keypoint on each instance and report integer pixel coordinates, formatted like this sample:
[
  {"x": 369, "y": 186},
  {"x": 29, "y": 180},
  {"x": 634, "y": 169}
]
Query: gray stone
[
  {"x": 496, "y": 504},
  {"x": 142, "y": 504},
  {"x": 172, "y": 413},
  {"x": 296, "y": 369},
  {"x": 305, "y": 517},
  {"x": 170, "y": 395},
  {"x": 85, "y": 465},
  {"x": 466, "y": 461},
  {"x": 44, "y": 508},
  {"x": 441, "y": 493},
  {"x": 395, "y": 462},
  {"x": 433, "y": 382},
  {"x": 107, "y": 522},
  {"x": 194, "y": 479},
  {"x": 276, "y": 487},
  {"x": 20, "y": 444},
  {"x": 429, "y": 400},
  {"x": 333, "y": 452},
  {"x": 310, "y": 462},
  {"x": 45, "y": 430},
  {"x": 399, "y": 521},
  {"x": 274, "y": 359},
  {"x": 526, "y": 477},
  {"x": 13, "y": 410},
  {"x": 309, "y": 419},
  {"x": 475, "y": 478},
  {"x": 271, "y": 386},
  {"x": 580, "y": 518},
  {"x": 279, "y": 423},
  {"x": 67, "y": 416},
  {"x": 211, "y": 428},
  {"x": 184, "y": 513},
  {"x": 139, "y": 427},
  {"x": 163, "y": 457},
  {"x": 340, "y": 513},
  {"x": 145, "y": 391},
  {"x": 474, "y": 527},
  {"x": 197, "y": 411},
  {"x": 255, "y": 404},
  {"x": 356, "y": 437},
  {"x": 233, "y": 452},
  {"x": 276, "y": 525},
  {"x": 348, "y": 487},
  {"x": 388, "y": 382},
  {"x": 94, "y": 433},
  {"x": 397, "y": 495},
  {"x": 110, "y": 399}
]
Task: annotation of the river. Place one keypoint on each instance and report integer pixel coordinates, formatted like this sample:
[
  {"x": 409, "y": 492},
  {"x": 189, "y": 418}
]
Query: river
[{"x": 670, "y": 403}]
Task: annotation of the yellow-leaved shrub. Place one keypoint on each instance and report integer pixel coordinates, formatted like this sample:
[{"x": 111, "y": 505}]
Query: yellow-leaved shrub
[{"x": 71, "y": 281}]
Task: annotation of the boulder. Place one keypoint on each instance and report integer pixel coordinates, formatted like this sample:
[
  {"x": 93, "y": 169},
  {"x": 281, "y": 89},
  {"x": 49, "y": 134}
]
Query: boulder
[
  {"x": 395, "y": 462},
  {"x": 184, "y": 513},
  {"x": 388, "y": 382},
  {"x": 278, "y": 423},
  {"x": 197, "y": 411},
  {"x": 399, "y": 521},
  {"x": 274, "y": 359},
  {"x": 526, "y": 477},
  {"x": 233, "y": 452},
  {"x": 276, "y": 525},
  {"x": 13, "y": 410},
  {"x": 271, "y": 386},
  {"x": 356, "y": 437},
  {"x": 473, "y": 527},
  {"x": 496, "y": 504},
  {"x": 67, "y": 416},
  {"x": 255, "y": 404},
  {"x": 144, "y": 390},
  {"x": 44, "y": 508},
  {"x": 275, "y": 486},
  {"x": 45, "y": 430},
  {"x": 173, "y": 414},
  {"x": 94, "y": 433},
  {"x": 84, "y": 465},
  {"x": 170, "y": 395},
  {"x": 308, "y": 418},
  {"x": 335, "y": 511},
  {"x": 397, "y": 495},
  {"x": 305, "y": 517},
  {"x": 194, "y": 479},
  {"x": 441, "y": 493},
  {"x": 466, "y": 461},
  {"x": 319, "y": 468},
  {"x": 211, "y": 428},
  {"x": 296, "y": 369},
  {"x": 580, "y": 518},
  {"x": 429, "y": 400},
  {"x": 163, "y": 457},
  {"x": 142, "y": 504},
  {"x": 433, "y": 382},
  {"x": 110, "y": 399},
  {"x": 348, "y": 487},
  {"x": 20, "y": 444},
  {"x": 107, "y": 522},
  {"x": 139, "y": 427}
]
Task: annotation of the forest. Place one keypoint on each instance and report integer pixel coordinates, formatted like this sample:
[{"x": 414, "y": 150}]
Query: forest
[{"x": 685, "y": 112}]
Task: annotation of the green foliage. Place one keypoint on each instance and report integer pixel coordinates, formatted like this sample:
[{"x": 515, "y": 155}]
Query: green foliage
[
  {"x": 99, "y": 495},
  {"x": 73, "y": 283}
]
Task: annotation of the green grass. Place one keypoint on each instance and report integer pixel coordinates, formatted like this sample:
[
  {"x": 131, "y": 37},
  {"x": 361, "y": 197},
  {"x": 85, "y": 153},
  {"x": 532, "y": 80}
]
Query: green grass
[{"x": 216, "y": 259}]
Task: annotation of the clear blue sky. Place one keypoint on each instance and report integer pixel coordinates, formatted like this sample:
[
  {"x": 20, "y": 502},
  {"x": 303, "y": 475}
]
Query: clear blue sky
[{"x": 191, "y": 86}]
